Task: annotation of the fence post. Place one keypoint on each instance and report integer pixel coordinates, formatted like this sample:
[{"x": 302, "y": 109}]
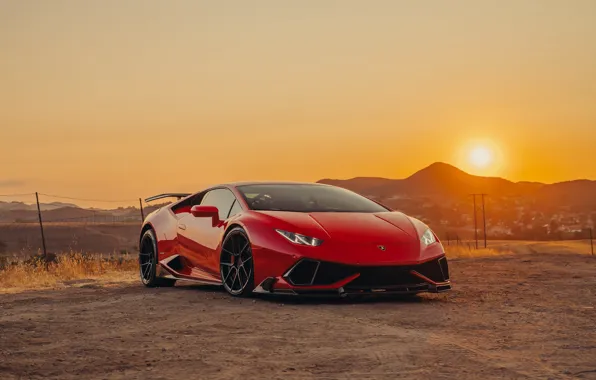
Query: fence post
[
  {"x": 43, "y": 238},
  {"x": 142, "y": 212}
]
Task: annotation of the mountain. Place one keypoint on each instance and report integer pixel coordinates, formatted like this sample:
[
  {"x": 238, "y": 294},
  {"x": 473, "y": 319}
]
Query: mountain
[
  {"x": 444, "y": 181},
  {"x": 575, "y": 194},
  {"x": 437, "y": 180}
]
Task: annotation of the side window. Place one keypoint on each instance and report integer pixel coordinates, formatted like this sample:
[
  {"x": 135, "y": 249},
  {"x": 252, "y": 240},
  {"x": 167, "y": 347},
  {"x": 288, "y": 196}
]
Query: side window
[
  {"x": 220, "y": 198},
  {"x": 235, "y": 209},
  {"x": 185, "y": 205},
  {"x": 196, "y": 200}
]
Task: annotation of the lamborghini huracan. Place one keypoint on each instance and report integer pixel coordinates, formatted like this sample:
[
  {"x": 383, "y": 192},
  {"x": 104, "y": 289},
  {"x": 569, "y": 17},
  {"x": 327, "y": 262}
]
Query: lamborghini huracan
[{"x": 289, "y": 238}]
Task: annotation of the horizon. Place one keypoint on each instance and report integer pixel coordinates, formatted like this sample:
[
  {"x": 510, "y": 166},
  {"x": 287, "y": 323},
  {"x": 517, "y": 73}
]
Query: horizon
[
  {"x": 116, "y": 100},
  {"x": 28, "y": 198}
]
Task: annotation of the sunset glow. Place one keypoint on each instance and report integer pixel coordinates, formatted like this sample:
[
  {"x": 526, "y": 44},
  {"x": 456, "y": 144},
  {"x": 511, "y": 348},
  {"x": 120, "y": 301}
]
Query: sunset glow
[{"x": 290, "y": 91}]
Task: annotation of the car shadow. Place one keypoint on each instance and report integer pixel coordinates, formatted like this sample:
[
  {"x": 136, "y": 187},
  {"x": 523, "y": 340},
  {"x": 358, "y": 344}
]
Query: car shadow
[
  {"x": 422, "y": 298},
  {"x": 350, "y": 300},
  {"x": 215, "y": 289}
]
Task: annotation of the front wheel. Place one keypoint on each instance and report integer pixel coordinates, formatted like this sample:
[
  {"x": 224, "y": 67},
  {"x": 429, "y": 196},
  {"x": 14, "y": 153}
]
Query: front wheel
[
  {"x": 148, "y": 262},
  {"x": 236, "y": 264}
]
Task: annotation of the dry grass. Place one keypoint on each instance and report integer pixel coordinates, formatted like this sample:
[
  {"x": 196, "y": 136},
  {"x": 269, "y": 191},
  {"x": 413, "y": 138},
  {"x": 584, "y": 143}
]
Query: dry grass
[
  {"x": 460, "y": 252},
  {"x": 67, "y": 268},
  {"x": 78, "y": 268}
]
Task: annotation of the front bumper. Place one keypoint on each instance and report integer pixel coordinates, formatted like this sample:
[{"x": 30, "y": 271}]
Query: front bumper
[{"x": 318, "y": 278}]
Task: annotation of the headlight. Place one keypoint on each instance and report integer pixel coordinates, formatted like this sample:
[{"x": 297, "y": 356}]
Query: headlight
[
  {"x": 428, "y": 238},
  {"x": 300, "y": 239}
]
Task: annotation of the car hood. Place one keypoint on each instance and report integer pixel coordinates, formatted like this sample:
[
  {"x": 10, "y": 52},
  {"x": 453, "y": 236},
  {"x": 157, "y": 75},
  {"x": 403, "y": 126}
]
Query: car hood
[
  {"x": 378, "y": 228},
  {"x": 386, "y": 238}
]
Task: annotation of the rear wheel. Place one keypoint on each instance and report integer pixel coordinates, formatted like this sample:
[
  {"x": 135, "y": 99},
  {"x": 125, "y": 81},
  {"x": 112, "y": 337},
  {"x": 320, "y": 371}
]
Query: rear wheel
[
  {"x": 236, "y": 264},
  {"x": 148, "y": 262}
]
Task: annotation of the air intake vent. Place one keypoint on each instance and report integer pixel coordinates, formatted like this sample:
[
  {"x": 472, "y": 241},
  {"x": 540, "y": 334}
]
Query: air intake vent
[
  {"x": 436, "y": 270},
  {"x": 303, "y": 273},
  {"x": 444, "y": 267},
  {"x": 176, "y": 264}
]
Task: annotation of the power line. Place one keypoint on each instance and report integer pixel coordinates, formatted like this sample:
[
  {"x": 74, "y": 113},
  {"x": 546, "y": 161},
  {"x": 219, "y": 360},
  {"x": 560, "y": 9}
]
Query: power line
[
  {"x": 16, "y": 195},
  {"x": 88, "y": 200},
  {"x": 98, "y": 218}
]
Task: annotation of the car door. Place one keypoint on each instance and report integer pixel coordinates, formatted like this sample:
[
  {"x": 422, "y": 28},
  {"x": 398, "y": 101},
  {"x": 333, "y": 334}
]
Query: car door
[{"x": 199, "y": 238}]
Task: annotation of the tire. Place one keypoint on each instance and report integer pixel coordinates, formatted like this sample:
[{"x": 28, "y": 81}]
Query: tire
[
  {"x": 148, "y": 262},
  {"x": 236, "y": 265}
]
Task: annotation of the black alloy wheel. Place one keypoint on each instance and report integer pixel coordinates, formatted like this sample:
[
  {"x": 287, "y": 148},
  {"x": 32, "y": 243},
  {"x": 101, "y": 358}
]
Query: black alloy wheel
[
  {"x": 236, "y": 263},
  {"x": 148, "y": 262}
]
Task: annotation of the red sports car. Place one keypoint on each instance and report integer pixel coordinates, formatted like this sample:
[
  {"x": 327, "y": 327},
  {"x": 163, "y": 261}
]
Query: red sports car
[{"x": 289, "y": 238}]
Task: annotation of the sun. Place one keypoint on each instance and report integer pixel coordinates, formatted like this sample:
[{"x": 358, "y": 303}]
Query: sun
[{"x": 481, "y": 157}]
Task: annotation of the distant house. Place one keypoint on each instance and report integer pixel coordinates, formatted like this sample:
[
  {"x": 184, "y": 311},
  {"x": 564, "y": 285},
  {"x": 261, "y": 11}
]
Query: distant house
[
  {"x": 572, "y": 228},
  {"x": 499, "y": 231}
]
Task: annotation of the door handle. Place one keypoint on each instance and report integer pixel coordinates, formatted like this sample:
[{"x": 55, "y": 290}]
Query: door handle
[{"x": 182, "y": 226}]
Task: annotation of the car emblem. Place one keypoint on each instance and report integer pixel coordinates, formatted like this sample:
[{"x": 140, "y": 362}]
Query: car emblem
[{"x": 381, "y": 247}]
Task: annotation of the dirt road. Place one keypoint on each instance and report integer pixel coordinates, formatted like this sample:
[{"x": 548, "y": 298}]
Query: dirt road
[{"x": 516, "y": 317}]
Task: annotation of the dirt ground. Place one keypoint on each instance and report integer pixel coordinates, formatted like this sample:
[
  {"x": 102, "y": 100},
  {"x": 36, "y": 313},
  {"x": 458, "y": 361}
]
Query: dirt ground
[{"x": 512, "y": 317}]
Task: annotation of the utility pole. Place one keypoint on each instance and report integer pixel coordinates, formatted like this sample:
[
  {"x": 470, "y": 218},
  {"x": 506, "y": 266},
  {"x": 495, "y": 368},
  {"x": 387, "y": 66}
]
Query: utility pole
[
  {"x": 484, "y": 219},
  {"x": 475, "y": 222},
  {"x": 43, "y": 238},
  {"x": 142, "y": 212}
]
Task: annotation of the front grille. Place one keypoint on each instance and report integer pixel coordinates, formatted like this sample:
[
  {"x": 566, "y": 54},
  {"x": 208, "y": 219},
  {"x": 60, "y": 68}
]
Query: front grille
[
  {"x": 385, "y": 276},
  {"x": 330, "y": 273},
  {"x": 327, "y": 273}
]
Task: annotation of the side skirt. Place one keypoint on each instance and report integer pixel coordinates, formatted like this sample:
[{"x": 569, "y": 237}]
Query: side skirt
[{"x": 196, "y": 275}]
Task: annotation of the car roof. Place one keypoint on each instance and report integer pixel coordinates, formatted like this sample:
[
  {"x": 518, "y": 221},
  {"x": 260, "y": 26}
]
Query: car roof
[{"x": 248, "y": 183}]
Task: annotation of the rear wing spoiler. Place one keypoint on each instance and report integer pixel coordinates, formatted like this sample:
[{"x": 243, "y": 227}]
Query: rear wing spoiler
[{"x": 167, "y": 195}]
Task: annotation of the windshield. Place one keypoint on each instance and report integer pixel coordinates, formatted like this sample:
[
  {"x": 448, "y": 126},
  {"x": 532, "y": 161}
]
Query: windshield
[{"x": 306, "y": 198}]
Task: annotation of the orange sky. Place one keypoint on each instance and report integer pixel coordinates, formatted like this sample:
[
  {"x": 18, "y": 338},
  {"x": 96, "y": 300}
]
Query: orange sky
[{"x": 121, "y": 99}]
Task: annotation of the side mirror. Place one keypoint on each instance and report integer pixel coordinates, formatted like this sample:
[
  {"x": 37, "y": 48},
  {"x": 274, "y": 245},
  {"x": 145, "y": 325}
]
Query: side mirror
[{"x": 199, "y": 211}]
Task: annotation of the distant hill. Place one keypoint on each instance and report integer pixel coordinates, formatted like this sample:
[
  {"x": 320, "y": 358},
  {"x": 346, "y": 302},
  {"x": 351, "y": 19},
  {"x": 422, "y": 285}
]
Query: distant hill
[
  {"x": 6, "y": 206},
  {"x": 579, "y": 193},
  {"x": 441, "y": 180},
  {"x": 65, "y": 212}
]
